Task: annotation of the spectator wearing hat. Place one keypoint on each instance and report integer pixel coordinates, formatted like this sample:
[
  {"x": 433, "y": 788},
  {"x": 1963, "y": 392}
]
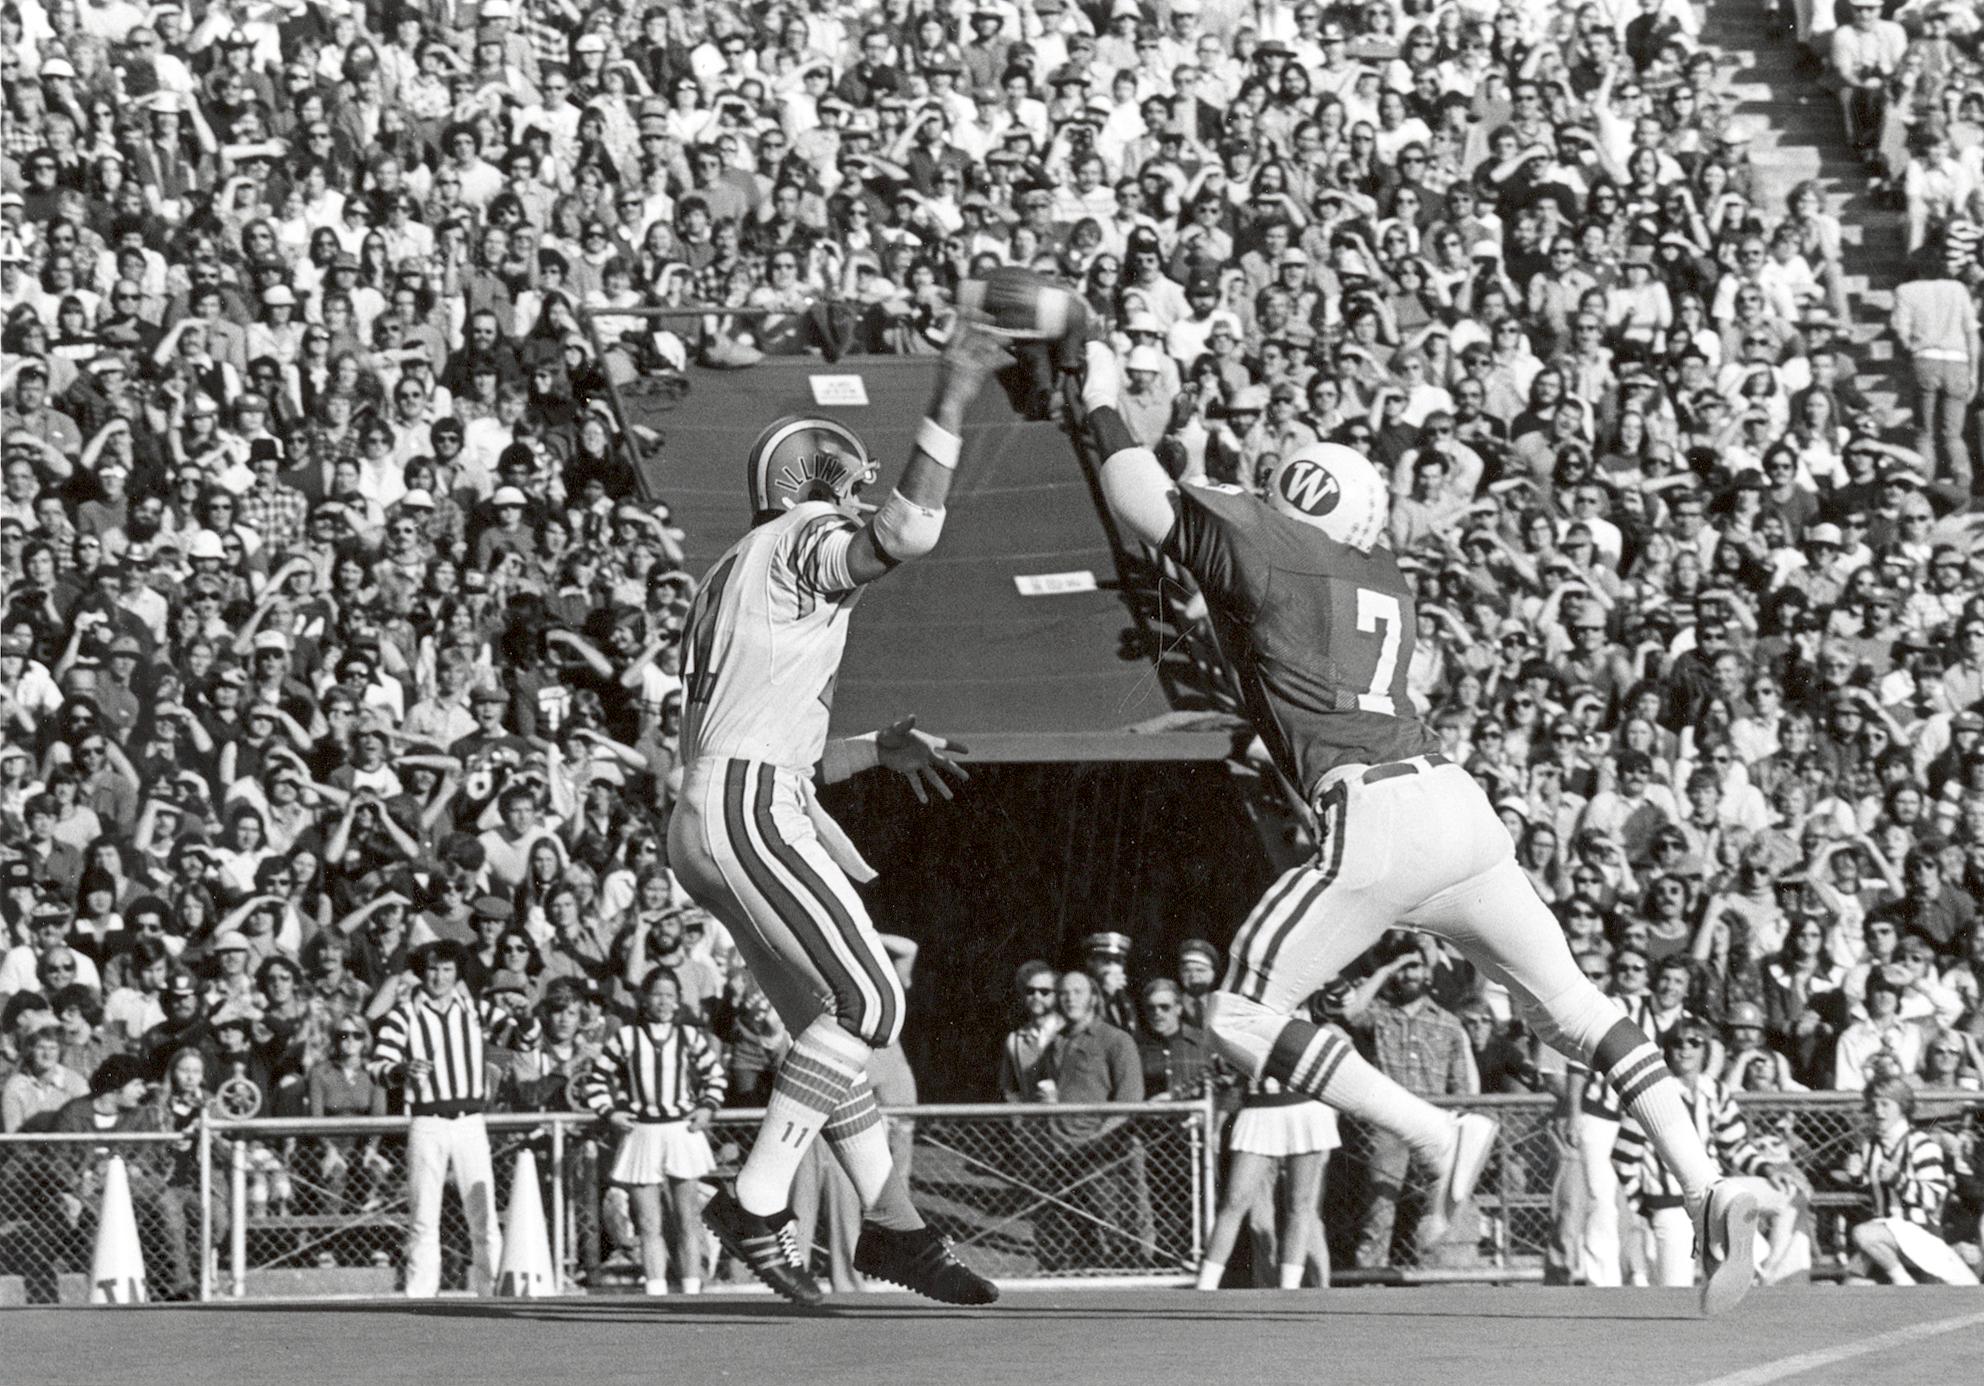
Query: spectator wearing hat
[{"x": 1106, "y": 958}]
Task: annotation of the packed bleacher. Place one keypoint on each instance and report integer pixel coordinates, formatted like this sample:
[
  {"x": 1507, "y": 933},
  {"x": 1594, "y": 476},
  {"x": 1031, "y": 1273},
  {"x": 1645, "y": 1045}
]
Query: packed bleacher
[{"x": 338, "y": 623}]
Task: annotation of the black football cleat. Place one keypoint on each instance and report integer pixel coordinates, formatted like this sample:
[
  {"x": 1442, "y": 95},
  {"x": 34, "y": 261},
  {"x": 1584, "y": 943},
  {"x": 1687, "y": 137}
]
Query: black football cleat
[
  {"x": 921, "y": 1261},
  {"x": 765, "y": 1244}
]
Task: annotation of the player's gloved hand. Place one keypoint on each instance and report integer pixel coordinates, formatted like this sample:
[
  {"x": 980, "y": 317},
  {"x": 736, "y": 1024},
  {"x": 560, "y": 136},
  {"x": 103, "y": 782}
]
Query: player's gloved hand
[{"x": 919, "y": 756}]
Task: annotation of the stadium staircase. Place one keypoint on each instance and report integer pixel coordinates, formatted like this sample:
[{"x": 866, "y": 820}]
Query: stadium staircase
[{"x": 1797, "y": 133}]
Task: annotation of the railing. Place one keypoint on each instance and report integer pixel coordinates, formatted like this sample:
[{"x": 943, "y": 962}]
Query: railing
[
  {"x": 303, "y": 1207},
  {"x": 308, "y": 1207}
]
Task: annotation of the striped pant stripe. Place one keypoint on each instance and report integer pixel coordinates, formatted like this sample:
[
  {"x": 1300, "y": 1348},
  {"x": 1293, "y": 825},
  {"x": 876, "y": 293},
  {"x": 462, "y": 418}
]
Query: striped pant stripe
[
  {"x": 882, "y": 1024},
  {"x": 1262, "y": 937},
  {"x": 863, "y": 986}
]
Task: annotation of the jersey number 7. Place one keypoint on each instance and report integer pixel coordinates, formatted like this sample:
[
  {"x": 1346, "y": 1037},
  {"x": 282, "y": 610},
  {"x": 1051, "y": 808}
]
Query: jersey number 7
[{"x": 1380, "y": 616}]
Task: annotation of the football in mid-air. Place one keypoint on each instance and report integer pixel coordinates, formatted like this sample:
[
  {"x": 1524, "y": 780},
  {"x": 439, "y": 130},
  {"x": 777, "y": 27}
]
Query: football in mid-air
[{"x": 1020, "y": 305}]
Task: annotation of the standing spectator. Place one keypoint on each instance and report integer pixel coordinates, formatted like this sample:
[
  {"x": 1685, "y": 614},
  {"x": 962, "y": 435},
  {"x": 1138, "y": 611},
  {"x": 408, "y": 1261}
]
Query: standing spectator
[
  {"x": 1106, "y": 955},
  {"x": 1423, "y": 1048},
  {"x": 1023, "y": 1052},
  {"x": 1174, "y": 1053},
  {"x": 1935, "y": 322},
  {"x": 1097, "y": 1164}
]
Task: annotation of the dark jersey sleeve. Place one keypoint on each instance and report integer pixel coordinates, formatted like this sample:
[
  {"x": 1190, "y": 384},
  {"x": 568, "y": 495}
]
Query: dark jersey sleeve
[{"x": 1216, "y": 540}]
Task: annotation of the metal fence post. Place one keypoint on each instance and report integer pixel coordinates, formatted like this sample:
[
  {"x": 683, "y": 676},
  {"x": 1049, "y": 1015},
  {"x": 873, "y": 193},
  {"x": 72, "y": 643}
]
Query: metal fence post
[
  {"x": 559, "y": 1249},
  {"x": 206, "y": 1138},
  {"x": 1206, "y": 1207},
  {"x": 238, "y": 1218}
]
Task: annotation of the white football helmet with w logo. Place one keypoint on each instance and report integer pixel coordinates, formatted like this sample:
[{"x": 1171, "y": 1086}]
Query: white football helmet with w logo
[
  {"x": 803, "y": 458},
  {"x": 1335, "y": 489}
]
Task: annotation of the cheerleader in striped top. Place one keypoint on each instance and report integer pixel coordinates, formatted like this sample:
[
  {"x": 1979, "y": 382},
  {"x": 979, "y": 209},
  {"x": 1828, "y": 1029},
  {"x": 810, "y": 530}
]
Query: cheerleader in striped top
[
  {"x": 658, "y": 1082},
  {"x": 1719, "y": 1122},
  {"x": 1906, "y": 1179}
]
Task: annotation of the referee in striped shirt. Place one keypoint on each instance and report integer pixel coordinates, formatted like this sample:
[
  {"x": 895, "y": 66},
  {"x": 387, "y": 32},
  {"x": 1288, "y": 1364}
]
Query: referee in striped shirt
[
  {"x": 431, "y": 1047},
  {"x": 658, "y": 1083}
]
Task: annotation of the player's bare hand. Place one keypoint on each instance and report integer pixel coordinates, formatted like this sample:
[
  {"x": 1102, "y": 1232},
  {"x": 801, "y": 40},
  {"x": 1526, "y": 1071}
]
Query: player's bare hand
[
  {"x": 699, "y": 1120},
  {"x": 621, "y": 1121},
  {"x": 920, "y": 758}
]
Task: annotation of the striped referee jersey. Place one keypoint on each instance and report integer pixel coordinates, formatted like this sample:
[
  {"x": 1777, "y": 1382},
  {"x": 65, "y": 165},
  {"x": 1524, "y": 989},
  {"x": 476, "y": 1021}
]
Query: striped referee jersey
[
  {"x": 656, "y": 1077},
  {"x": 450, "y": 1035},
  {"x": 1906, "y": 1178}
]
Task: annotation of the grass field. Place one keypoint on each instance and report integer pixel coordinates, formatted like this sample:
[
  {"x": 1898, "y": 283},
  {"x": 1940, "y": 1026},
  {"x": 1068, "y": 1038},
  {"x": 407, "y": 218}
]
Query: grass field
[{"x": 1458, "y": 1335}]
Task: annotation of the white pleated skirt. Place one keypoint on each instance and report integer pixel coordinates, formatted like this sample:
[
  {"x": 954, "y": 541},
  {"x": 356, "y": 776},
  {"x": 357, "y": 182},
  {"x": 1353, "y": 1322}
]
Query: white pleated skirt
[
  {"x": 1301, "y": 1128},
  {"x": 654, "y": 1151}
]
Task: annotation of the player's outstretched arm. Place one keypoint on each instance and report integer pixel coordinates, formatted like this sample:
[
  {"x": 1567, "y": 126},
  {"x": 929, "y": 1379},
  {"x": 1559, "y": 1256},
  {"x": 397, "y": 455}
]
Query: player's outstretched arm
[
  {"x": 909, "y": 521},
  {"x": 918, "y": 756},
  {"x": 1140, "y": 493}
]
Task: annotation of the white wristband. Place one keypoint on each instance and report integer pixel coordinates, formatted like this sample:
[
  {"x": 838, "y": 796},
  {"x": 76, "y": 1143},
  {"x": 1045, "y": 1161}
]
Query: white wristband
[{"x": 939, "y": 444}]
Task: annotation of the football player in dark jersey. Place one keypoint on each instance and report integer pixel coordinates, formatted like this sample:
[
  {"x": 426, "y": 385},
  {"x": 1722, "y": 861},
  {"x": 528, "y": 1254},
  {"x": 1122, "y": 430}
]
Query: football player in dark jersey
[{"x": 1317, "y": 622}]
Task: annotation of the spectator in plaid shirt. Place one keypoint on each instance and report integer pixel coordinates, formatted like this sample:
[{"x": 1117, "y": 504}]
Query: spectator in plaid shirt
[
  {"x": 1904, "y": 1175},
  {"x": 272, "y": 508},
  {"x": 1421, "y": 1046}
]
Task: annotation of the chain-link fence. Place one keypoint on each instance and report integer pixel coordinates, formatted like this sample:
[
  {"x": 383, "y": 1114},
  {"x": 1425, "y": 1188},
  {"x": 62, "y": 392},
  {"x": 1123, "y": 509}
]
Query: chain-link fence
[
  {"x": 315, "y": 1208},
  {"x": 1531, "y": 1208},
  {"x": 303, "y": 1207},
  {"x": 51, "y": 1199}
]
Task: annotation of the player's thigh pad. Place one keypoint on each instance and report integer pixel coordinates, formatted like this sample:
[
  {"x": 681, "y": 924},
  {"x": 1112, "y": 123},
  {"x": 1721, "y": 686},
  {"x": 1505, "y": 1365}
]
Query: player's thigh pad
[
  {"x": 750, "y": 855},
  {"x": 1497, "y": 919},
  {"x": 1319, "y": 917}
]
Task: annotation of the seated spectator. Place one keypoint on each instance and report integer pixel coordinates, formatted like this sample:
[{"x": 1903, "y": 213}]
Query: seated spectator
[{"x": 1904, "y": 1176}]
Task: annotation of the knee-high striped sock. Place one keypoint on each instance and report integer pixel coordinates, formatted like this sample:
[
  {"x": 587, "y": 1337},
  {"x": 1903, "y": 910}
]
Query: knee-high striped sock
[
  {"x": 814, "y": 1078},
  {"x": 1646, "y": 1088},
  {"x": 1322, "y": 1063},
  {"x": 858, "y": 1135}
]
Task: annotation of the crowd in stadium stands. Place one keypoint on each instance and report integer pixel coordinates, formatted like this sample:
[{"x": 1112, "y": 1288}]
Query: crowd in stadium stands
[{"x": 335, "y": 623}]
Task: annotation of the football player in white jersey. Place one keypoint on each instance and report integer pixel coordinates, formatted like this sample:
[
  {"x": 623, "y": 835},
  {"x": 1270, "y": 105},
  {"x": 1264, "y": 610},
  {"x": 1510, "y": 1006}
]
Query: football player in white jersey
[{"x": 750, "y": 842}]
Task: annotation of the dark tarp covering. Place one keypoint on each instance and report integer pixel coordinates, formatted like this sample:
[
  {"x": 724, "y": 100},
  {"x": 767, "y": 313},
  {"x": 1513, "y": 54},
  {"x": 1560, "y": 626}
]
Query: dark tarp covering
[{"x": 948, "y": 637}]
